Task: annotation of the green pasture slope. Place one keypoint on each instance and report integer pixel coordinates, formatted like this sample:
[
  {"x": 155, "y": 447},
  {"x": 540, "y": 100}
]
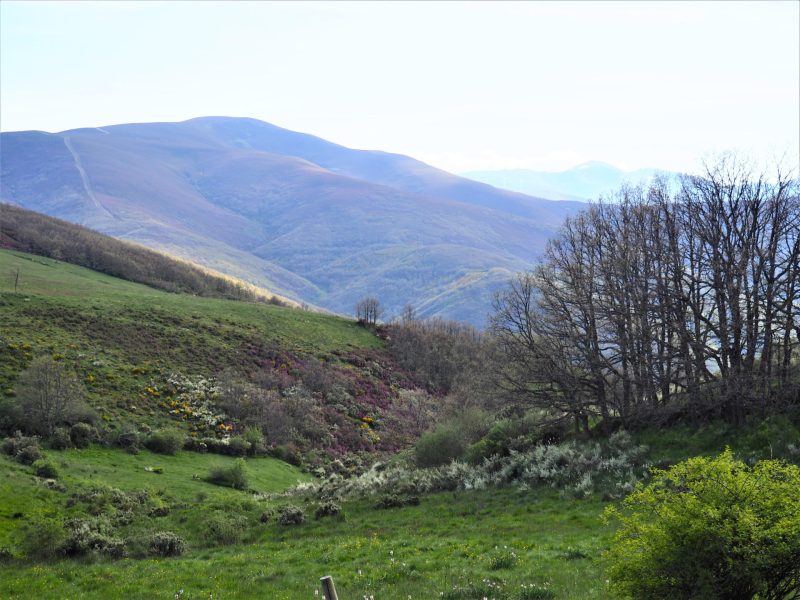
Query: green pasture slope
[
  {"x": 121, "y": 337},
  {"x": 459, "y": 545},
  {"x": 118, "y": 336}
]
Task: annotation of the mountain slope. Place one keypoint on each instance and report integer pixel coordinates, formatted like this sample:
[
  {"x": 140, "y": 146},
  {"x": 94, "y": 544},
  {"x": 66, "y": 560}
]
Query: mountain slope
[
  {"x": 303, "y": 217},
  {"x": 587, "y": 181}
]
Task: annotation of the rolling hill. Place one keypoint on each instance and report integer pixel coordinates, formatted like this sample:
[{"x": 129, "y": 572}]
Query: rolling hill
[{"x": 300, "y": 216}]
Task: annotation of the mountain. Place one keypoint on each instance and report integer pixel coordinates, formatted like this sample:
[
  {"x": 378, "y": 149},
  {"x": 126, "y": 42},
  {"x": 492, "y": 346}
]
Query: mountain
[
  {"x": 298, "y": 215},
  {"x": 587, "y": 181}
]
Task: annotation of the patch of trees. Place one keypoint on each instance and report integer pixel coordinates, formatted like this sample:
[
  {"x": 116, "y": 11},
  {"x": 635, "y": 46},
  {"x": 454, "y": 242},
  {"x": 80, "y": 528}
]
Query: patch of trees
[
  {"x": 39, "y": 234},
  {"x": 663, "y": 304}
]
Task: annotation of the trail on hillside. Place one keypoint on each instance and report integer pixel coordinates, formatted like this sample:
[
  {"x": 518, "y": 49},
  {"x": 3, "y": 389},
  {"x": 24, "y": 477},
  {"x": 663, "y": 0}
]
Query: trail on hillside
[{"x": 86, "y": 185}]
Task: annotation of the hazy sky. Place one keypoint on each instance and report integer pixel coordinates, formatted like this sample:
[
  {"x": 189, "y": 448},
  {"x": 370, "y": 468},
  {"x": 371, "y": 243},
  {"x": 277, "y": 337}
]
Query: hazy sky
[{"x": 459, "y": 85}]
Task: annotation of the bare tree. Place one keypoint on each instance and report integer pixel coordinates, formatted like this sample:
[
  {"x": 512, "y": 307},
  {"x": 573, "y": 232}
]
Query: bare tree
[
  {"x": 369, "y": 311},
  {"x": 48, "y": 394}
]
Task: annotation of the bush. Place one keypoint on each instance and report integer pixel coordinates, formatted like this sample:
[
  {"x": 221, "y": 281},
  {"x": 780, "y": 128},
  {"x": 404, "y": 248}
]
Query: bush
[
  {"x": 164, "y": 441},
  {"x": 45, "y": 469},
  {"x": 237, "y": 446},
  {"x": 225, "y": 528},
  {"x": 255, "y": 439},
  {"x": 327, "y": 509},
  {"x": 92, "y": 535},
  {"x": 710, "y": 528},
  {"x": 82, "y": 435},
  {"x": 291, "y": 515},
  {"x": 43, "y": 538},
  {"x": 28, "y": 455},
  {"x": 439, "y": 447},
  {"x": 60, "y": 439},
  {"x": 12, "y": 445},
  {"x": 166, "y": 543},
  {"x": 128, "y": 439},
  {"x": 233, "y": 476}
]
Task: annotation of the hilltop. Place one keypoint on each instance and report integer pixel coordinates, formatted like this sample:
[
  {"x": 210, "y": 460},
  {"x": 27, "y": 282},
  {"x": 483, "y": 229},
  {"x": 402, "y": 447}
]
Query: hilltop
[{"x": 303, "y": 217}]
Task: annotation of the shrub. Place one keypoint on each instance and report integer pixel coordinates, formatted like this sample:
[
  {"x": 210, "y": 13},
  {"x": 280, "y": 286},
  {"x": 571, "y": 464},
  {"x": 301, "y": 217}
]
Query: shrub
[
  {"x": 45, "y": 469},
  {"x": 12, "y": 445},
  {"x": 237, "y": 446},
  {"x": 166, "y": 543},
  {"x": 225, "y": 528},
  {"x": 28, "y": 455},
  {"x": 92, "y": 535},
  {"x": 327, "y": 509},
  {"x": 165, "y": 441},
  {"x": 233, "y": 476},
  {"x": 60, "y": 439},
  {"x": 128, "y": 439},
  {"x": 291, "y": 515},
  {"x": 439, "y": 447},
  {"x": 82, "y": 435},
  {"x": 254, "y": 437},
  {"x": 710, "y": 528},
  {"x": 43, "y": 538}
]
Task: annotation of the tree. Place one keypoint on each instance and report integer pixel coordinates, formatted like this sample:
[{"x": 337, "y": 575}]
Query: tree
[
  {"x": 369, "y": 311},
  {"x": 48, "y": 395},
  {"x": 662, "y": 305}
]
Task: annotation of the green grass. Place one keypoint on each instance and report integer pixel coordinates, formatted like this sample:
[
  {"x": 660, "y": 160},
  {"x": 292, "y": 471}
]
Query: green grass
[
  {"x": 121, "y": 337},
  {"x": 419, "y": 551}
]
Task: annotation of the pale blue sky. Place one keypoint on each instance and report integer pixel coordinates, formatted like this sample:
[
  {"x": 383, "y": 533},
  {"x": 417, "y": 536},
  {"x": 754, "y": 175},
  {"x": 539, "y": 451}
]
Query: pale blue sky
[{"x": 459, "y": 85}]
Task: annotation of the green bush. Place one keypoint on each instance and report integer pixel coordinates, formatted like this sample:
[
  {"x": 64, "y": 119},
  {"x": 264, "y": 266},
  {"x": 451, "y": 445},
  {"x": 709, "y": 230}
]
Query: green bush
[
  {"x": 43, "y": 538},
  {"x": 14, "y": 444},
  {"x": 439, "y": 447},
  {"x": 710, "y": 528},
  {"x": 166, "y": 543},
  {"x": 45, "y": 469},
  {"x": 165, "y": 441},
  {"x": 225, "y": 528},
  {"x": 28, "y": 455},
  {"x": 233, "y": 476},
  {"x": 237, "y": 446},
  {"x": 128, "y": 439},
  {"x": 254, "y": 437},
  {"x": 82, "y": 435},
  {"x": 92, "y": 535},
  {"x": 291, "y": 515},
  {"x": 327, "y": 509},
  {"x": 60, "y": 439}
]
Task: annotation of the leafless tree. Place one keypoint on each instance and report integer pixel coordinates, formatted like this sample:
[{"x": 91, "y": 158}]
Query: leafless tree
[
  {"x": 369, "y": 311},
  {"x": 48, "y": 394}
]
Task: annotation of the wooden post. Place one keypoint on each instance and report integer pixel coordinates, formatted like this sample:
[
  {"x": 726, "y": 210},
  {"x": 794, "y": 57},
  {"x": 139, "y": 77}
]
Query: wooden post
[{"x": 328, "y": 589}]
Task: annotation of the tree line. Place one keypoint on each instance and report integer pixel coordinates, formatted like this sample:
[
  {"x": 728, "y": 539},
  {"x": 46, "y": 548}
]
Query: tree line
[{"x": 663, "y": 303}]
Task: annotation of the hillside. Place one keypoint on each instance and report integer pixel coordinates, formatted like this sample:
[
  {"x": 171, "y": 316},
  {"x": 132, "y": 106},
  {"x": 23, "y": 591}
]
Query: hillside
[
  {"x": 45, "y": 236},
  {"x": 295, "y": 214},
  {"x": 140, "y": 351}
]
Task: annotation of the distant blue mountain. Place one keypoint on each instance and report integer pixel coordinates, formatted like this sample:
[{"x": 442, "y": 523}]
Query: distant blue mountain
[{"x": 587, "y": 181}]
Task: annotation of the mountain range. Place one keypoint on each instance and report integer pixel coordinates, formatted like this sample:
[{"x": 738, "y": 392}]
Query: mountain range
[
  {"x": 587, "y": 181},
  {"x": 296, "y": 214}
]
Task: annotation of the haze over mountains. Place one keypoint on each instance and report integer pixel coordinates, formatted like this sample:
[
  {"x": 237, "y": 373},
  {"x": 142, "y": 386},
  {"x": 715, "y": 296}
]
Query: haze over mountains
[
  {"x": 301, "y": 216},
  {"x": 587, "y": 181}
]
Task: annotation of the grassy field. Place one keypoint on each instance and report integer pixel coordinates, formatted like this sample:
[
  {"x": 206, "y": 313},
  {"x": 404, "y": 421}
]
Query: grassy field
[
  {"x": 122, "y": 337},
  {"x": 465, "y": 545}
]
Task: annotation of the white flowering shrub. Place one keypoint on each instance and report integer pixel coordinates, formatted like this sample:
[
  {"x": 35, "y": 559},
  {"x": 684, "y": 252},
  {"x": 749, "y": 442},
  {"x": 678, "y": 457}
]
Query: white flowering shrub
[{"x": 578, "y": 469}]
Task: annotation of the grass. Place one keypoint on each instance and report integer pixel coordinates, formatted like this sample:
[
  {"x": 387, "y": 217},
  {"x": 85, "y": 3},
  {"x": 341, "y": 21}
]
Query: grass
[
  {"x": 448, "y": 544},
  {"x": 121, "y": 337}
]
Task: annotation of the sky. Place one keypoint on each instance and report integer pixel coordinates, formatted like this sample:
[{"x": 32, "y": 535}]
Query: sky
[{"x": 460, "y": 85}]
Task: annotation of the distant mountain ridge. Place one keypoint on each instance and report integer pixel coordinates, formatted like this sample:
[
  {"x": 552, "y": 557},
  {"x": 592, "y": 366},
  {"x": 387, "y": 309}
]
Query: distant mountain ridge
[
  {"x": 587, "y": 181},
  {"x": 298, "y": 215}
]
